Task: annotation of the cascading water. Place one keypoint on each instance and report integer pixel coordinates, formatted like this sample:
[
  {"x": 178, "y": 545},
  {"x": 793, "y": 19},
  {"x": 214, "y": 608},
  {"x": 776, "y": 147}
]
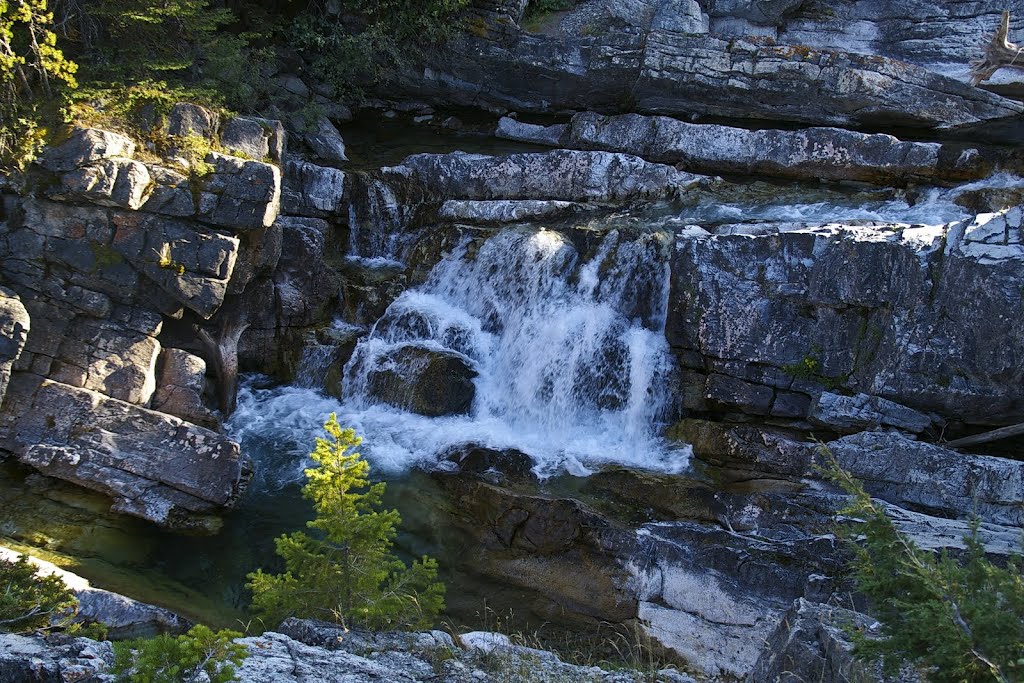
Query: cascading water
[
  {"x": 571, "y": 359},
  {"x": 377, "y": 220}
]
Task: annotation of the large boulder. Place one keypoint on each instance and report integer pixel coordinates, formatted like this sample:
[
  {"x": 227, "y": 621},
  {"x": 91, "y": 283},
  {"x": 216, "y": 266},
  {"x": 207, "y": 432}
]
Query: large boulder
[
  {"x": 239, "y": 194},
  {"x": 84, "y": 147},
  {"x": 152, "y": 465},
  {"x": 311, "y": 190},
  {"x": 422, "y": 380},
  {"x": 180, "y": 387}
]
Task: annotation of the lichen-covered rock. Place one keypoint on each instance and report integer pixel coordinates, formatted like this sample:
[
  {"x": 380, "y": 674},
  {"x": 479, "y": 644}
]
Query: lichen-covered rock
[
  {"x": 14, "y": 329},
  {"x": 84, "y": 147},
  {"x": 171, "y": 193},
  {"x": 31, "y": 659},
  {"x": 559, "y": 175},
  {"x": 152, "y": 465},
  {"x": 928, "y": 478}
]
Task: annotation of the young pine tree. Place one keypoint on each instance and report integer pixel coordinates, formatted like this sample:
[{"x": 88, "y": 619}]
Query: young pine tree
[
  {"x": 962, "y": 620},
  {"x": 345, "y": 571}
]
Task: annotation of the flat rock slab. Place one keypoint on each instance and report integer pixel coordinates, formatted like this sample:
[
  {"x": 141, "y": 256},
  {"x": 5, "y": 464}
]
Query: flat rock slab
[
  {"x": 811, "y": 153},
  {"x": 154, "y": 466},
  {"x": 563, "y": 175}
]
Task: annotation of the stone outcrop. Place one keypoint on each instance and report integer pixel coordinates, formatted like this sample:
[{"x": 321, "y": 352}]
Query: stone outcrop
[
  {"x": 810, "y": 153},
  {"x": 423, "y": 380},
  {"x": 908, "y": 314},
  {"x": 115, "y": 250},
  {"x": 676, "y": 74},
  {"x": 152, "y": 465}
]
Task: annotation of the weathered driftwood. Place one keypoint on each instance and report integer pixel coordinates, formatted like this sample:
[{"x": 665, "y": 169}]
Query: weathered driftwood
[
  {"x": 986, "y": 437},
  {"x": 223, "y": 350},
  {"x": 999, "y": 53}
]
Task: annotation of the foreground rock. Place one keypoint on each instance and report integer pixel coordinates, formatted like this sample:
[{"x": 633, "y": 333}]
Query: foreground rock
[
  {"x": 14, "y": 327},
  {"x": 153, "y": 465},
  {"x": 122, "y": 616},
  {"x": 811, "y": 153}
]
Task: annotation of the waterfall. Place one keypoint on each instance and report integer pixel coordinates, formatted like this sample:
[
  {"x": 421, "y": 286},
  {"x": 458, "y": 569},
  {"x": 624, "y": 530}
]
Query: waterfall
[
  {"x": 316, "y": 358},
  {"x": 572, "y": 362},
  {"x": 377, "y": 220}
]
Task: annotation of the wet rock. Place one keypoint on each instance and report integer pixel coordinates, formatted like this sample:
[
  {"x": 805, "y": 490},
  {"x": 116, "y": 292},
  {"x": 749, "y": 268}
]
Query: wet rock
[
  {"x": 423, "y": 380},
  {"x": 192, "y": 119},
  {"x": 239, "y": 194},
  {"x": 748, "y": 447},
  {"x": 311, "y": 190},
  {"x": 180, "y": 387},
  {"x": 810, "y": 153},
  {"x": 559, "y": 175},
  {"x": 862, "y": 412},
  {"x": 123, "y": 616},
  {"x": 496, "y": 212},
  {"x": 154, "y": 466},
  {"x": 14, "y": 329},
  {"x": 480, "y": 460},
  {"x": 84, "y": 147},
  {"x": 935, "y": 480}
]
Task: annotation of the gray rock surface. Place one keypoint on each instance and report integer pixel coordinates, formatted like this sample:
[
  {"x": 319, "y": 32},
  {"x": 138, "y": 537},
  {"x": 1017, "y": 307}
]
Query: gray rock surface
[
  {"x": 255, "y": 138},
  {"x": 677, "y": 74},
  {"x": 109, "y": 182},
  {"x": 14, "y": 328},
  {"x": 325, "y": 140},
  {"x": 30, "y": 659},
  {"x": 810, "y": 153},
  {"x": 862, "y": 412},
  {"x": 927, "y": 478},
  {"x": 84, "y": 147},
  {"x": 180, "y": 386},
  {"x": 559, "y": 175},
  {"x": 906, "y": 313},
  {"x": 192, "y": 119},
  {"x": 239, "y": 194},
  {"x": 153, "y": 465},
  {"x": 311, "y": 190}
]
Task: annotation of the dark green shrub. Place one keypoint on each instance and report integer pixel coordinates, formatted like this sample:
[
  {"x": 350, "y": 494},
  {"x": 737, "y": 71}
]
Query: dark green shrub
[
  {"x": 184, "y": 659},
  {"x": 32, "y": 603}
]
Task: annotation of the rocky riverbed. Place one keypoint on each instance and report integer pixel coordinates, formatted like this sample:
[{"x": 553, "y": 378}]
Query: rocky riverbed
[{"x": 596, "y": 330}]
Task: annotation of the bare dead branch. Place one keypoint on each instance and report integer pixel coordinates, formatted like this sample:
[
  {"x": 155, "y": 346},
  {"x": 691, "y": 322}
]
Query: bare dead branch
[{"x": 999, "y": 52}]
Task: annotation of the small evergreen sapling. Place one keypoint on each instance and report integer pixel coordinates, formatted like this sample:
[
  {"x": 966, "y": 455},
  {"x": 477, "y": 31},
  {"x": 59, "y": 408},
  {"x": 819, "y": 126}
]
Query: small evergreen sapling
[
  {"x": 960, "y": 620},
  {"x": 345, "y": 571},
  {"x": 198, "y": 655},
  {"x": 29, "y": 602}
]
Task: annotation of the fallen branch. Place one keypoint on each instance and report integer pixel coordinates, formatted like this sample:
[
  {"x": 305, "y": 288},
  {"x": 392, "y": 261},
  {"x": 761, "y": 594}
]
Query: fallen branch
[
  {"x": 999, "y": 53},
  {"x": 994, "y": 435}
]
